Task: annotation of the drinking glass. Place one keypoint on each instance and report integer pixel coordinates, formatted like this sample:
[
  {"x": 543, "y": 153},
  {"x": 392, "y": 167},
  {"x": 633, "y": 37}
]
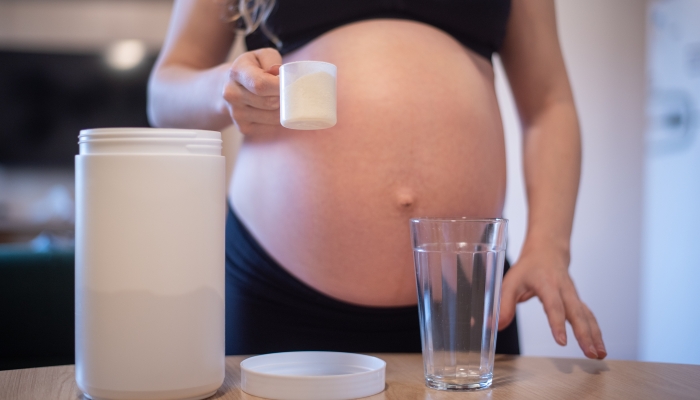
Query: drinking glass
[{"x": 459, "y": 268}]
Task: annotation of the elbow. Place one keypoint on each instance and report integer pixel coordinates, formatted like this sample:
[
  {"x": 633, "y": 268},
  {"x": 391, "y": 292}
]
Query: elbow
[
  {"x": 153, "y": 119},
  {"x": 154, "y": 103}
]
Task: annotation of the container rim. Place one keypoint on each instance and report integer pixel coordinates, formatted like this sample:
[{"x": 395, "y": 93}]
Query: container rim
[
  {"x": 456, "y": 219},
  {"x": 245, "y": 364},
  {"x": 308, "y": 62},
  {"x": 145, "y": 140},
  {"x": 132, "y": 139},
  {"x": 145, "y": 131}
]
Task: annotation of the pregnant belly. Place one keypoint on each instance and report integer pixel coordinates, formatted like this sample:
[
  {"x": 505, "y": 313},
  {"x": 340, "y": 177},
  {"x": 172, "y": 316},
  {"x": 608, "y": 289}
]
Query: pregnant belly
[{"x": 418, "y": 134}]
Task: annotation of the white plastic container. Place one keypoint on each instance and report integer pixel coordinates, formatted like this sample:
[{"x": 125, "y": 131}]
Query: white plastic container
[
  {"x": 308, "y": 95},
  {"x": 149, "y": 263}
]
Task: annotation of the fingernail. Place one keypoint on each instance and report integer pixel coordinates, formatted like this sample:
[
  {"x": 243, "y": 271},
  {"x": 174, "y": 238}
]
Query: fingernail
[
  {"x": 592, "y": 349},
  {"x": 274, "y": 68},
  {"x": 561, "y": 339},
  {"x": 601, "y": 350}
]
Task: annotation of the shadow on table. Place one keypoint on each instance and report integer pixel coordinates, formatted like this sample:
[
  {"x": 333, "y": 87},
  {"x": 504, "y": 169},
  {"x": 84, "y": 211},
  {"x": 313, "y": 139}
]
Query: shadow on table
[
  {"x": 593, "y": 367},
  {"x": 504, "y": 375}
]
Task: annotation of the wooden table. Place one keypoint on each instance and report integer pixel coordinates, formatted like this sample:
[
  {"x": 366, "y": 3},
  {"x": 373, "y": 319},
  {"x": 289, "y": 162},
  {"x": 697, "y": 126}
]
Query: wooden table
[{"x": 514, "y": 378}]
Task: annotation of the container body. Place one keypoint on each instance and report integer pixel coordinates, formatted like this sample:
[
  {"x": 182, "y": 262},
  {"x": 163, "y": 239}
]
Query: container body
[
  {"x": 459, "y": 269},
  {"x": 308, "y": 95},
  {"x": 149, "y": 281}
]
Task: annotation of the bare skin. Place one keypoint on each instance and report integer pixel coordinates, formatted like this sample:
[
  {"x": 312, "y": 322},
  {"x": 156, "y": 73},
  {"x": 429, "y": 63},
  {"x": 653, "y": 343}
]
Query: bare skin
[{"x": 418, "y": 134}]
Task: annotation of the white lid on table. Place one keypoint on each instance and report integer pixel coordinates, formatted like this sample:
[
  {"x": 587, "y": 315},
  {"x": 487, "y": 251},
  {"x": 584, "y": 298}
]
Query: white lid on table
[{"x": 312, "y": 375}]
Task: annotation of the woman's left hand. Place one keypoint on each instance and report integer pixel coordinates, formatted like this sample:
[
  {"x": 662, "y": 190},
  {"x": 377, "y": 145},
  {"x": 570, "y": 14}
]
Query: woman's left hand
[{"x": 544, "y": 273}]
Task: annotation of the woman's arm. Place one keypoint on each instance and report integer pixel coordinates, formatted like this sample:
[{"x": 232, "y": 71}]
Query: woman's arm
[
  {"x": 552, "y": 162},
  {"x": 187, "y": 81},
  {"x": 192, "y": 86}
]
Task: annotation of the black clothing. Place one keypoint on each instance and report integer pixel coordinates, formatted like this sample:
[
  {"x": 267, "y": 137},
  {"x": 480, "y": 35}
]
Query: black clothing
[
  {"x": 269, "y": 310},
  {"x": 478, "y": 24}
]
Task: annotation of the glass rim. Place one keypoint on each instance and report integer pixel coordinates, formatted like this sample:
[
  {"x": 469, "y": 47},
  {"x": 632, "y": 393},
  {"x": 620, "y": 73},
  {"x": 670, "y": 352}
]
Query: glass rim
[{"x": 456, "y": 219}]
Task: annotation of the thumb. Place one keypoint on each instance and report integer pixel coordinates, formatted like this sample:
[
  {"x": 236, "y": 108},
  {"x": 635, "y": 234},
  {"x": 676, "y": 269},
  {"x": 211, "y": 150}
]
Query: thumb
[
  {"x": 274, "y": 70},
  {"x": 268, "y": 58},
  {"x": 509, "y": 299}
]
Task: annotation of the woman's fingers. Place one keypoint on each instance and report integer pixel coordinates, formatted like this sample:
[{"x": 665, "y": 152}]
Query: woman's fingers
[
  {"x": 252, "y": 91},
  {"x": 548, "y": 278},
  {"x": 257, "y": 81},
  {"x": 255, "y": 101},
  {"x": 576, "y": 313},
  {"x": 513, "y": 291},
  {"x": 237, "y": 96},
  {"x": 509, "y": 300},
  {"x": 255, "y": 121},
  {"x": 268, "y": 58},
  {"x": 556, "y": 313},
  {"x": 274, "y": 70},
  {"x": 596, "y": 334},
  {"x": 250, "y": 71}
]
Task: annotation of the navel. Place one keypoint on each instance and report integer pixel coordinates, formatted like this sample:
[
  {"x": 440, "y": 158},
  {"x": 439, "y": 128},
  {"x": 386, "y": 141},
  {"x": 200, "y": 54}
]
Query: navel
[{"x": 405, "y": 199}]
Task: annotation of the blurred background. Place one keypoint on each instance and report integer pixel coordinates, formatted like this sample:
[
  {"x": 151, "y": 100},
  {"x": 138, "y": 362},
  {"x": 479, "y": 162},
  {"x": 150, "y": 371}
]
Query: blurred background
[{"x": 67, "y": 65}]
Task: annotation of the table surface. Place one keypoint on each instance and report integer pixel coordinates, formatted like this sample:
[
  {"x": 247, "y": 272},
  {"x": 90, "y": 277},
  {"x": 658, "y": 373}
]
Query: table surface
[{"x": 514, "y": 378}]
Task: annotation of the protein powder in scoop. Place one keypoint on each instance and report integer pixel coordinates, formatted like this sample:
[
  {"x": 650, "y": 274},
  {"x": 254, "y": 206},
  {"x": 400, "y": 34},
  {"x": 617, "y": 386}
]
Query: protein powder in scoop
[{"x": 308, "y": 95}]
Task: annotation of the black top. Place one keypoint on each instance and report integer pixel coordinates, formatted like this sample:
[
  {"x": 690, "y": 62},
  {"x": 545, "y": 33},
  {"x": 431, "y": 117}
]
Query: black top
[{"x": 478, "y": 24}]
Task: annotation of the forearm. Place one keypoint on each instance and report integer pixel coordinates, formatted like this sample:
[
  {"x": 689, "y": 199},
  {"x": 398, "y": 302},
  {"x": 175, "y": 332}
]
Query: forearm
[
  {"x": 184, "y": 97},
  {"x": 552, "y": 164}
]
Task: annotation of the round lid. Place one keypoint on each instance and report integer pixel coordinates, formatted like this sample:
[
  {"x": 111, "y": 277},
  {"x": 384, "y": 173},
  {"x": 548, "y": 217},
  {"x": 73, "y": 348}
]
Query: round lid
[{"x": 312, "y": 375}]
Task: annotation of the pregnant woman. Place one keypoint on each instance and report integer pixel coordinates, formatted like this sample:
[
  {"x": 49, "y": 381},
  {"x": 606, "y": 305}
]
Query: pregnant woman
[{"x": 318, "y": 249}]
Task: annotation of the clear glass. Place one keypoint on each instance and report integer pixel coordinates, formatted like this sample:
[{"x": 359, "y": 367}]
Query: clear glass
[{"x": 459, "y": 268}]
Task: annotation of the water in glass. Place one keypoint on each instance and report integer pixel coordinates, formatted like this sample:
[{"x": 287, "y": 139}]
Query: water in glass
[{"x": 458, "y": 297}]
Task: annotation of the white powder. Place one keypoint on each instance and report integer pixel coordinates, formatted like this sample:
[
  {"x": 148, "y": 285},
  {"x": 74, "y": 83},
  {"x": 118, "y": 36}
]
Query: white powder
[{"x": 309, "y": 102}]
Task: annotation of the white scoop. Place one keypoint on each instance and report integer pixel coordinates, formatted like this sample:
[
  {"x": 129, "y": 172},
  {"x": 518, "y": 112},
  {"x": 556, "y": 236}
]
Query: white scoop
[{"x": 308, "y": 95}]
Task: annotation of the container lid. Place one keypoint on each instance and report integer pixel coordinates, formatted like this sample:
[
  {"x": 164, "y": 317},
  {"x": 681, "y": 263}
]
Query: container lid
[
  {"x": 130, "y": 141},
  {"x": 312, "y": 375}
]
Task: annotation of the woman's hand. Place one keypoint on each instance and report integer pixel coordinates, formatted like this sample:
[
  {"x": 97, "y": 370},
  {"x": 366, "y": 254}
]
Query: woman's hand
[
  {"x": 252, "y": 92},
  {"x": 544, "y": 273}
]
